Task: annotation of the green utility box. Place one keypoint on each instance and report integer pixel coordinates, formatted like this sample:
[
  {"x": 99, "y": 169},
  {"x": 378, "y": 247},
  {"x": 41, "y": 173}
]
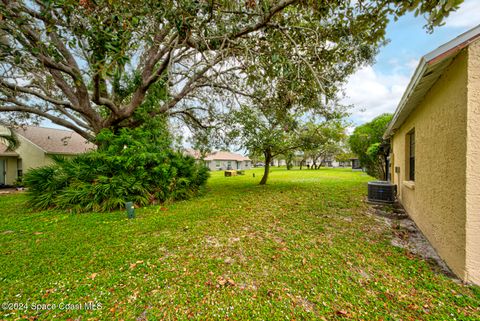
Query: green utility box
[{"x": 130, "y": 210}]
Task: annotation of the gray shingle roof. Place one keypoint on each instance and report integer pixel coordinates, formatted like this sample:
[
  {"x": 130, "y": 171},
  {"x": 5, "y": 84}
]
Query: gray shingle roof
[
  {"x": 224, "y": 155},
  {"x": 55, "y": 141},
  {"x": 219, "y": 155}
]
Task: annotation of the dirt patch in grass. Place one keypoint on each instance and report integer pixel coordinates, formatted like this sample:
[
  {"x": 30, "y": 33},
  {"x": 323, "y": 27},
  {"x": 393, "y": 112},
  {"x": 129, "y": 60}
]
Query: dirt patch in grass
[{"x": 408, "y": 236}]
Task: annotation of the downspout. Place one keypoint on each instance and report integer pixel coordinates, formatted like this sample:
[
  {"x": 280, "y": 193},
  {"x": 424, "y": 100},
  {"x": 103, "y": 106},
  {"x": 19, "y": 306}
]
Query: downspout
[{"x": 387, "y": 167}]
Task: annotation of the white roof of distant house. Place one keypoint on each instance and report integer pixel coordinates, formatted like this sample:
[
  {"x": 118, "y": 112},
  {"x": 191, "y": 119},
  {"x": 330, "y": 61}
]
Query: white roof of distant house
[
  {"x": 224, "y": 155},
  {"x": 429, "y": 69},
  {"x": 219, "y": 155},
  {"x": 55, "y": 141}
]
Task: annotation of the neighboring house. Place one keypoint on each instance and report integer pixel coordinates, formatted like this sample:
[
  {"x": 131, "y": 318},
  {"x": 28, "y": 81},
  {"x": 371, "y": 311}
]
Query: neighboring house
[
  {"x": 279, "y": 162},
  {"x": 435, "y": 138},
  {"x": 356, "y": 166},
  {"x": 223, "y": 160},
  {"x": 37, "y": 146},
  {"x": 342, "y": 163},
  {"x": 328, "y": 162},
  {"x": 332, "y": 162}
]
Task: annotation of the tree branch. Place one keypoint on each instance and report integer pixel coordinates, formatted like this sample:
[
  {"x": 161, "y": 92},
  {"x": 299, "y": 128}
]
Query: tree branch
[
  {"x": 20, "y": 107},
  {"x": 26, "y": 90}
]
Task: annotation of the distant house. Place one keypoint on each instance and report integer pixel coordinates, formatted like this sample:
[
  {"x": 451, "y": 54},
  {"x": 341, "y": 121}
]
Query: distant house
[
  {"x": 331, "y": 161},
  {"x": 435, "y": 152},
  {"x": 279, "y": 162},
  {"x": 223, "y": 160},
  {"x": 37, "y": 146},
  {"x": 356, "y": 166}
]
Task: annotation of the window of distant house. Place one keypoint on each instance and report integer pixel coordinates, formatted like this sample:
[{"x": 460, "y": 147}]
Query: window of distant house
[
  {"x": 411, "y": 155},
  {"x": 218, "y": 164}
]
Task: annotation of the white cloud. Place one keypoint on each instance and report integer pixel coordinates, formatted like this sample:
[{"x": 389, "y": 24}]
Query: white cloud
[
  {"x": 373, "y": 93},
  {"x": 467, "y": 16},
  {"x": 412, "y": 64}
]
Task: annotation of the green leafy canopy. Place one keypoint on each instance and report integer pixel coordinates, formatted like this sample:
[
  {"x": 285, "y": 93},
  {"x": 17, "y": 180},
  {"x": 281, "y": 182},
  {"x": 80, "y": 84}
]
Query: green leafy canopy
[{"x": 365, "y": 142}]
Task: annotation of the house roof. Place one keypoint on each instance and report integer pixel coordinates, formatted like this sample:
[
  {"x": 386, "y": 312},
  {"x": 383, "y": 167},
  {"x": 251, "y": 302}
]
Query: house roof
[
  {"x": 219, "y": 155},
  {"x": 225, "y": 155},
  {"x": 429, "y": 69},
  {"x": 55, "y": 141}
]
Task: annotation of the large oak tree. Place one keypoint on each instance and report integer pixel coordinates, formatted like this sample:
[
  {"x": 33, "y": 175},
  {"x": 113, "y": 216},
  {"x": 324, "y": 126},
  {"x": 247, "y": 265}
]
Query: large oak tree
[{"x": 94, "y": 64}]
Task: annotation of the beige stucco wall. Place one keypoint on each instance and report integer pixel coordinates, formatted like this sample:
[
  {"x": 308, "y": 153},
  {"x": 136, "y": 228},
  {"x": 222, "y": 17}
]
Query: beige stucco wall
[
  {"x": 49, "y": 158},
  {"x": 224, "y": 165},
  {"x": 31, "y": 155},
  {"x": 473, "y": 165},
  {"x": 436, "y": 200}
]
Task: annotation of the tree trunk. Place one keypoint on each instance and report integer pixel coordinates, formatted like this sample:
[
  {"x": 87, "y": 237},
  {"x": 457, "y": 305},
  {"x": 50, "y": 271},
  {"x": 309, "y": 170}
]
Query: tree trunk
[
  {"x": 301, "y": 164},
  {"x": 382, "y": 165},
  {"x": 289, "y": 164},
  {"x": 268, "y": 159}
]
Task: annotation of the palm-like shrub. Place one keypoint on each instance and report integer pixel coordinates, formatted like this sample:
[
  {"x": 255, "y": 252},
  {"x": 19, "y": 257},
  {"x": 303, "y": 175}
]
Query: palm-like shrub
[{"x": 132, "y": 165}]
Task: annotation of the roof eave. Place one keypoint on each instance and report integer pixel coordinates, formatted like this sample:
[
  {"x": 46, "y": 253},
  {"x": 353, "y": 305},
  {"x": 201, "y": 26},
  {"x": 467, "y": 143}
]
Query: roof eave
[
  {"x": 65, "y": 153},
  {"x": 429, "y": 62}
]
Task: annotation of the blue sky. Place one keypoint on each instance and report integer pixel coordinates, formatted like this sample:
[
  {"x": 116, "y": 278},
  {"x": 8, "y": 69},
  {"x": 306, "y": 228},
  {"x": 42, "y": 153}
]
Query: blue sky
[{"x": 377, "y": 89}]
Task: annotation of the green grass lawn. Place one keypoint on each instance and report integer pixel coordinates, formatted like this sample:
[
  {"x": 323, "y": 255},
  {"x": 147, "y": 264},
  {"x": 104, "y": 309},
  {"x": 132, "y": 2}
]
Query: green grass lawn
[{"x": 299, "y": 248}]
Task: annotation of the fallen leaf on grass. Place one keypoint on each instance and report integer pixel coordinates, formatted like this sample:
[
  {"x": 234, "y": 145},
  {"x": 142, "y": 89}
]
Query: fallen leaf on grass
[
  {"x": 225, "y": 281},
  {"x": 342, "y": 313},
  {"x": 92, "y": 276},
  {"x": 114, "y": 308},
  {"x": 413, "y": 307},
  {"x": 134, "y": 265},
  {"x": 133, "y": 297},
  {"x": 47, "y": 292}
]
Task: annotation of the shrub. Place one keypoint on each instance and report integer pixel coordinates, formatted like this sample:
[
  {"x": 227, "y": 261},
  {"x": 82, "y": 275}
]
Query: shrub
[{"x": 132, "y": 165}]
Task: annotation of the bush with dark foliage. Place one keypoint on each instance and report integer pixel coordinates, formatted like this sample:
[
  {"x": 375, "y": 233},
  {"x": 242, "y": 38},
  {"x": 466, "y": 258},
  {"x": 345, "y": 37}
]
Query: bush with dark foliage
[{"x": 135, "y": 165}]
